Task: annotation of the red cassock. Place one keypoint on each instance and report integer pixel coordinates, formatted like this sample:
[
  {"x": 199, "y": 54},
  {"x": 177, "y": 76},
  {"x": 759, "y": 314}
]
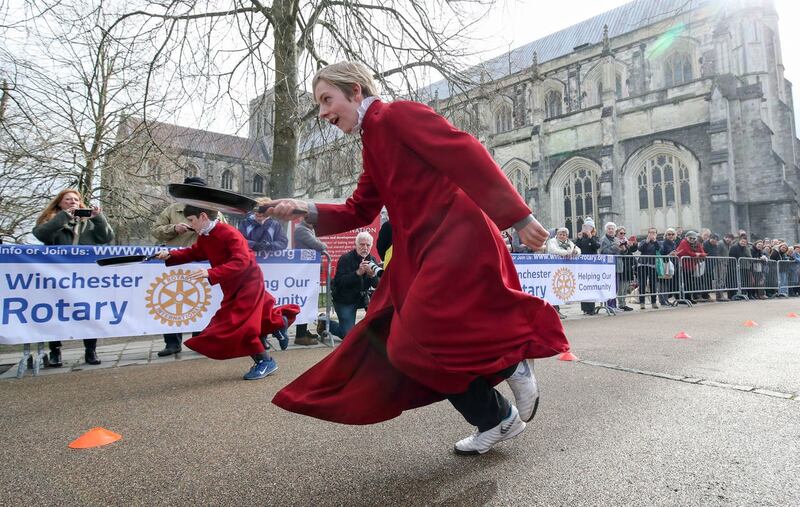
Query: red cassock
[
  {"x": 247, "y": 311},
  {"x": 449, "y": 307}
]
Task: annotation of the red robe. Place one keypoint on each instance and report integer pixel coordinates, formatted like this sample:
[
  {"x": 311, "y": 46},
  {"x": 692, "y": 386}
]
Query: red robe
[
  {"x": 449, "y": 307},
  {"x": 247, "y": 311}
]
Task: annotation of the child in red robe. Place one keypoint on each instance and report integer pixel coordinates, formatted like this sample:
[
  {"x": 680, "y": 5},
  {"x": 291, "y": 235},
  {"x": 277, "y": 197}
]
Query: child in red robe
[{"x": 247, "y": 313}]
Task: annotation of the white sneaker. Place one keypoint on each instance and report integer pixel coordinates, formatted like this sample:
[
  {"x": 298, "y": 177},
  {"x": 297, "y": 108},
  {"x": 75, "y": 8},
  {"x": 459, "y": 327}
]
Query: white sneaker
[
  {"x": 526, "y": 391},
  {"x": 480, "y": 442}
]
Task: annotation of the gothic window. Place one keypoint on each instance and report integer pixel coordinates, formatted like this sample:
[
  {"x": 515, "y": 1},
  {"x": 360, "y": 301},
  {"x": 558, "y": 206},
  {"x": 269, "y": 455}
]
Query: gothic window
[
  {"x": 580, "y": 198},
  {"x": 677, "y": 69},
  {"x": 552, "y": 103},
  {"x": 227, "y": 180},
  {"x": 618, "y": 86},
  {"x": 258, "y": 184},
  {"x": 599, "y": 91},
  {"x": 663, "y": 183},
  {"x": 520, "y": 179},
  {"x": 503, "y": 118},
  {"x": 190, "y": 171},
  {"x": 153, "y": 169}
]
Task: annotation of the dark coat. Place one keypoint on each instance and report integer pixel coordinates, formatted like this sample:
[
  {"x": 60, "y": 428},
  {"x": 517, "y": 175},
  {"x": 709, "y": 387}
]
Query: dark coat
[
  {"x": 347, "y": 285},
  {"x": 588, "y": 245},
  {"x": 265, "y": 237},
  {"x": 61, "y": 229}
]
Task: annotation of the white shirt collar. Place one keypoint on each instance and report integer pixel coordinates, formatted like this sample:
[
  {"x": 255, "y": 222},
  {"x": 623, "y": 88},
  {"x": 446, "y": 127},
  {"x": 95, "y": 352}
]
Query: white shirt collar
[
  {"x": 362, "y": 112},
  {"x": 207, "y": 230}
]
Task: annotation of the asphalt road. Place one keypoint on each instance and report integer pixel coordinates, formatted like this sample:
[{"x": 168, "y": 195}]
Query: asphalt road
[{"x": 643, "y": 419}]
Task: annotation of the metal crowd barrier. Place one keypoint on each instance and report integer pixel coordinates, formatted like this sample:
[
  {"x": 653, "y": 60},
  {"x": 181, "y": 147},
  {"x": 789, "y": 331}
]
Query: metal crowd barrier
[
  {"x": 326, "y": 267},
  {"x": 670, "y": 280},
  {"x": 789, "y": 277}
]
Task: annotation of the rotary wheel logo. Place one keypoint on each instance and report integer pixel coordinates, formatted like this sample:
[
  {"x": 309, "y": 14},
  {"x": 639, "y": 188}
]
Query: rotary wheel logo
[
  {"x": 563, "y": 284},
  {"x": 175, "y": 299}
]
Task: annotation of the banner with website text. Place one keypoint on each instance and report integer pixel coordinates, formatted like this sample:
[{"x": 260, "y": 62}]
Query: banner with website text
[
  {"x": 60, "y": 293},
  {"x": 559, "y": 280}
]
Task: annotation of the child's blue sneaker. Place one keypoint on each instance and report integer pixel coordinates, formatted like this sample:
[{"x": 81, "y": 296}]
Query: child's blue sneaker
[
  {"x": 262, "y": 369},
  {"x": 282, "y": 335}
]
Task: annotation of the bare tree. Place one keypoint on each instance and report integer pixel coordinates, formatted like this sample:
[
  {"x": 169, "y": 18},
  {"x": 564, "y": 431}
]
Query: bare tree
[
  {"x": 68, "y": 87},
  {"x": 249, "y": 45}
]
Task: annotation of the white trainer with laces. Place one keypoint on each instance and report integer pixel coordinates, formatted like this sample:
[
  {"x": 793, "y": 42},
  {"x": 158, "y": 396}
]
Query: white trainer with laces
[
  {"x": 526, "y": 390},
  {"x": 481, "y": 441}
]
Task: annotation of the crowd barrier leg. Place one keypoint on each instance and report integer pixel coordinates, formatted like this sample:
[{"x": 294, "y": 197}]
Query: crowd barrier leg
[
  {"x": 22, "y": 367},
  {"x": 680, "y": 272},
  {"x": 328, "y": 301}
]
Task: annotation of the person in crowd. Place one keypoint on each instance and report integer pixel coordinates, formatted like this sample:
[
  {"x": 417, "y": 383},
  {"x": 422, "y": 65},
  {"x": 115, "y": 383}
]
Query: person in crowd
[
  {"x": 679, "y": 234},
  {"x": 247, "y": 313},
  {"x": 418, "y": 343},
  {"x": 704, "y": 235},
  {"x": 610, "y": 246},
  {"x": 66, "y": 220},
  {"x": 770, "y": 277},
  {"x": 172, "y": 229},
  {"x": 626, "y": 266},
  {"x": 741, "y": 250},
  {"x": 506, "y": 239},
  {"x": 725, "y": 272},
  {"x": 384, "y": 242},
  {"x": 669, "y": 283},
  {"x": 589, "y": 245},
  {"x": 356, "y": 275},
  {"x": 562, "y": 246},
  {"x": 780, "y": 254},
  {"x": 649, "y": 249},
  {"x": 304, "y": 238},
  {"x": 794, "y": 271},
  {"x": 263, "y": 234},
  {"x": 690, "y": 252}
]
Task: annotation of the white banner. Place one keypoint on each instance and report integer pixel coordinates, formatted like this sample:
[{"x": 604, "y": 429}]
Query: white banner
[
  {"x": 60, "y": 293},
  {"x": 559, "y": 280}
]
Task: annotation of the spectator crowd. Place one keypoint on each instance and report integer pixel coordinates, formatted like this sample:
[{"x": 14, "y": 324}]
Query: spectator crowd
[{"x": 680, "y": 266}]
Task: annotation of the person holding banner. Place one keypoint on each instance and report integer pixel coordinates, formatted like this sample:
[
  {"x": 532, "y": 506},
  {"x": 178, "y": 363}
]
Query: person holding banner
[
  {"x": 68, "y": 221},
  {"x": 247, "y": 313},
  {"x": 449, "y": 319}
]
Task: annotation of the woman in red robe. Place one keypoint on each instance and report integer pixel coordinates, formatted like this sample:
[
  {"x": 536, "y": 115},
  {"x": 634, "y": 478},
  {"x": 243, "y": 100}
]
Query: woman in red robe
[
  {"x": 247, "y": 313},
  {"x": 449, "y": 318}
]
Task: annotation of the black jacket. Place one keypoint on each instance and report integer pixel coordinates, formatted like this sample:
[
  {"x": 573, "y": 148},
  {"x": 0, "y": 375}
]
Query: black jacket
[
  {"x": 347, "y": 285},
  {"x": 588, "y": 245}
]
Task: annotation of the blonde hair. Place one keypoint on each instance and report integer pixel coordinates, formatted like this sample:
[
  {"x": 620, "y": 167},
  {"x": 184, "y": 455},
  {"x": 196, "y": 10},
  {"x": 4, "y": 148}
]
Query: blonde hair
[
  {"x": 51, "y": 209},
  {"x": 344, "y": 75}
]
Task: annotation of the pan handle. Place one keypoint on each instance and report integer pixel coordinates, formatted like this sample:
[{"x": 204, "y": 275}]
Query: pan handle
[{"x": 262, "y": 209}]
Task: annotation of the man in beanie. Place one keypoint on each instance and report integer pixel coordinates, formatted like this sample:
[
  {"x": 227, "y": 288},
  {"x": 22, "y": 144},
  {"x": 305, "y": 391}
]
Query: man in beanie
[{"x": 171, "y": 229}]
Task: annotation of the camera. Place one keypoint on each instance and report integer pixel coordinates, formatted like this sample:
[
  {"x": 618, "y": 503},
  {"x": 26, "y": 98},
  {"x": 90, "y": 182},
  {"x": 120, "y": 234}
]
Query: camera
[
  {"x": 376, "y": 268},
  {"x": 263, "y": 208},
  {"x": 82, "y": 212}
]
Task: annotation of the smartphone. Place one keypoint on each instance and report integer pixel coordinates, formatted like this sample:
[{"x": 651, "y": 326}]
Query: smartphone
[{"x": 82, "y": 212}]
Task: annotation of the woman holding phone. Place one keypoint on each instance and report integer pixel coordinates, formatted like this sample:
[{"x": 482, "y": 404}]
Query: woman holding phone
[{"x": 68, "y": 221}]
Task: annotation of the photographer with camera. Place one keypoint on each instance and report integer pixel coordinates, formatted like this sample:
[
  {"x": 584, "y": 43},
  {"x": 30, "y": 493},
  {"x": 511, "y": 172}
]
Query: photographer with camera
[
  {"x": 356, "y": 273},
  {"x": 263, "y": 234},
  {"x": 68, "y": 221}
]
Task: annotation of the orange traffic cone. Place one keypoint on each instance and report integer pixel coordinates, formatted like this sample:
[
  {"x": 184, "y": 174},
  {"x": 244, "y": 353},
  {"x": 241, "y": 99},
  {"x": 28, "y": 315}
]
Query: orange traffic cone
[
  {"x": 567, "y": 356},
  {"x": 682, "y": 336},
  {"x": 792, "y": 315},
  {"x": 750, "y": 323},
  {"x": 95, "y": 437}
]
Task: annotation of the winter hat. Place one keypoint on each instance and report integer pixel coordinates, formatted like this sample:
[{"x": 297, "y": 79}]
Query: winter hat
[
  {"x": 589, "y": 221},
  {"x": 195, "y": 180}
]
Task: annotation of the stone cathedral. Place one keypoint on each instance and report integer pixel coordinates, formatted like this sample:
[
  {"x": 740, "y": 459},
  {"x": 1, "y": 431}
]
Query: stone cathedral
[{"x": 660, "y": 113}]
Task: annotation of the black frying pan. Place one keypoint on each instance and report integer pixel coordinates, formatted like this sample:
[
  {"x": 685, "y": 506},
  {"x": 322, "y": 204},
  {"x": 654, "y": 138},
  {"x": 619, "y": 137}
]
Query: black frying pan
[
  {"x": 211, "y": 198},
  {"x": 122, "y": 260}
]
